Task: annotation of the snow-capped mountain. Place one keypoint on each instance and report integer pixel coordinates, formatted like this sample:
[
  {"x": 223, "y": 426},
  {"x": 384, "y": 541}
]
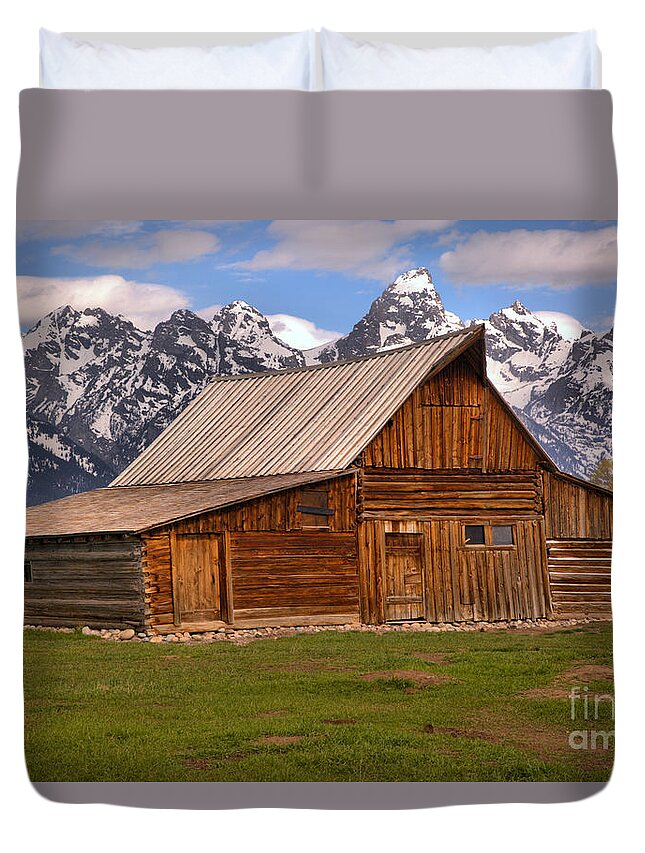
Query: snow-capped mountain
[
  {"x": 409, "y": 311},
  {"x": 559, "y": 381},
  {"x": 99, "y": 390},
  {"x": 246, "y": 342}
]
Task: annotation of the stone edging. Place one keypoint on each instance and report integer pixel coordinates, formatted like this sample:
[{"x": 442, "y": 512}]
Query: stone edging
[{"x": 243, "y": 636}]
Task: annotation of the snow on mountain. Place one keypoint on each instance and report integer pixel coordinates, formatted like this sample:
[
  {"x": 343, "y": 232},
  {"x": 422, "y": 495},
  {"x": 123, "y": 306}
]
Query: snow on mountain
[
  {"x": 522, "y": 350},
  {"x": 99, "y": 390},
  {"x": 573, "y": 406},
  {"x": 558, "y": 380},
  {"x": 247, "y": 342},
  {"x": 408, "y": 311}
]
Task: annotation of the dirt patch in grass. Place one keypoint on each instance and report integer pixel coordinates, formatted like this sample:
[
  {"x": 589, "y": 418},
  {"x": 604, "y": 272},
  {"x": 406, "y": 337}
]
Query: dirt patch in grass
[
  {"x": 197, "y": 763},
  {"x": 418, "y": 678},
  {"x": 434, "y": 657},
  {"x": 340, "y": 722},
  {"x": 280, "y": 740},
  {"x": 545, "y": 742},
  {"x": 207, "y": 763},
  {"x": 584, "y": 673},
  {"x": 588, "y": 673},
  {"x": 235, "y": 756},
  {"x": 546, "y": 693}
]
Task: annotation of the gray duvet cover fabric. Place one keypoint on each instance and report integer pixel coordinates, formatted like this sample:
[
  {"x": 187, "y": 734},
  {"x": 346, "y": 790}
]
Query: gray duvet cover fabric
[{"x": 490, "y": 155}]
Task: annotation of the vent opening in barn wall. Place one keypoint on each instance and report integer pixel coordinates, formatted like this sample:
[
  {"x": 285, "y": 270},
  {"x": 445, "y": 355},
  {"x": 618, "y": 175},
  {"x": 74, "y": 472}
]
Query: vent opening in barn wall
[{"x": 391, "y": 487}]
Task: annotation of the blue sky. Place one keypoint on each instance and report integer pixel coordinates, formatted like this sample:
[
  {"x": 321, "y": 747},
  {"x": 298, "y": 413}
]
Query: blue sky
[{"x": 323, "y": 275}]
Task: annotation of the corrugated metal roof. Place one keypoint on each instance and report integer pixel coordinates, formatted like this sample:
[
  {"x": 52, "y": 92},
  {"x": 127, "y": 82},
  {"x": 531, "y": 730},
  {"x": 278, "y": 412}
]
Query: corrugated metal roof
[
  {"x": 309, "y": 419},
  {"x": 134, "y": 508}
]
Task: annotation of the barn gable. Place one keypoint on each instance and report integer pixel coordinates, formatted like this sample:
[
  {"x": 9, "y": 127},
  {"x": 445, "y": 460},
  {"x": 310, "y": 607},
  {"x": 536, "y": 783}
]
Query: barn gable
[{"x": 455, "y": 419}]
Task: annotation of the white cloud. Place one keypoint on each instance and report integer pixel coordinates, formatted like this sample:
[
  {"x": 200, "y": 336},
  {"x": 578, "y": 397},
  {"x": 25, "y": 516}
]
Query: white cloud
[
  {"x": 570, "y": 328},
  {"x": 372, "y": 249},
  {"x": 557, "y": 258},
  {"x": 165, "y": 246},
  {"x": 145, "y": 304},
  {"x": 298, "y": 332}
]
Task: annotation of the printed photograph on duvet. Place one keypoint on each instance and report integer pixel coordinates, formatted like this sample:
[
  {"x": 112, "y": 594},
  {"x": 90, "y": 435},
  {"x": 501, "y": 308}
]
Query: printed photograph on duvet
[{"x": 318, "y": 500}]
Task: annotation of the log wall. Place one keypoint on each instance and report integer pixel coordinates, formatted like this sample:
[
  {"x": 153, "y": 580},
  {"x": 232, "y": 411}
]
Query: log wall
[
  {"x": 84, "y": 580},
  {"x": 157, "y": 579},
  {"x": 576, "y": 511},
  {"x": 462, "y": 583},
  {"x": 411, "y": 493},
  {"x": 580, "y": 576}
]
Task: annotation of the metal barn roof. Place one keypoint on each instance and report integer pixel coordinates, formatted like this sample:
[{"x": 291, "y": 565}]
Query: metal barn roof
[
  {"x": 134, "y": 508},
  {"x": 309, "y": 419}
]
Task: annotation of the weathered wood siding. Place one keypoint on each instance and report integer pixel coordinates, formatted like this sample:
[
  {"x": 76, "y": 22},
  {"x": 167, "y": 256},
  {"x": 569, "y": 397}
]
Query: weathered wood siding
[
  {"x": 84, "y": 580},
  {"x": 276, "y": 515},
  {"x": 454, "y": 420},
  {"x": 278, "y": 512},
  {"x": 576, "y": 511},
  {"x": 507, "y": 447},
  {"x": 415, "y": 494},
  {"x": 580, "y": 576},
  {"x": 462, "y": 583},
  {"x": 283, "y": 577},
  {"x": 157, "y": 579}
]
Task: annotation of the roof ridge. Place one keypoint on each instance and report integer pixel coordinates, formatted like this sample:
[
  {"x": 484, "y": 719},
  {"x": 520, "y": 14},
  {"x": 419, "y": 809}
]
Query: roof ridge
[{"x": 469, "y": 330}]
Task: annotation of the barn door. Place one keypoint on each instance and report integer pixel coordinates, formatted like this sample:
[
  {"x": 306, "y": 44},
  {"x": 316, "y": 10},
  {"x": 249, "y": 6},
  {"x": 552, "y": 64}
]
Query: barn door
[
  {"x": 404, "y": 583},
  {"x": 196, "y": 578}
]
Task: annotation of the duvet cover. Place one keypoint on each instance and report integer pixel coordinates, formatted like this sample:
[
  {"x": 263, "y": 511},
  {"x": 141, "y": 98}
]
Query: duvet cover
[{"x": 319, "y": 423}]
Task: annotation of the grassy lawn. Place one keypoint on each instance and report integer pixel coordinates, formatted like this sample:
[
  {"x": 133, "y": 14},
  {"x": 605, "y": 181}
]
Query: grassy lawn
[{"x": 318, "y": 707}]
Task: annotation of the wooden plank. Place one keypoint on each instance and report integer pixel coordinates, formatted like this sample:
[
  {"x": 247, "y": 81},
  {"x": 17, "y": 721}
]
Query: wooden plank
[
  {"x": 227, "y": 580},
  {"x": 297, "y": 621}
]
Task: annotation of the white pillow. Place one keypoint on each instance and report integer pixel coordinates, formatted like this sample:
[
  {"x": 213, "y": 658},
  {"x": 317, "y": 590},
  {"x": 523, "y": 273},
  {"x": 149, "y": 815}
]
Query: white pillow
[
  {"x": 286, "y": 62},
  {"x": 566, "y": 62}
]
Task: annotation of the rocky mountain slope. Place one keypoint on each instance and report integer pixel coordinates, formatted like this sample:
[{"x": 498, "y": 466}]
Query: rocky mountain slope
[{"x": 99, "y": 390}]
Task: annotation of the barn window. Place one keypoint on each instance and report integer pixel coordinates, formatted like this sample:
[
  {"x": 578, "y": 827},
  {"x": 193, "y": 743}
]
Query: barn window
[
  {"x": 502, "y": 534},
  {"x": 489, "y": 535},
  {"x": 314, "y": 508},
  {"x": 474, "y": 534},
  {"x": 28, "y": 575}
]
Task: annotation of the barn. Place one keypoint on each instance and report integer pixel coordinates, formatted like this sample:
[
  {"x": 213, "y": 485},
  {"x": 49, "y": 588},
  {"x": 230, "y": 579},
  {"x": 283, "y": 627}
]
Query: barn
[{"x": 393, "y": 487}]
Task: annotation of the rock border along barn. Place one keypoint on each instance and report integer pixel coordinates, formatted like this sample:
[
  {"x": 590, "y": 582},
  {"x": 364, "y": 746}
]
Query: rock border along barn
[{"x": 392, "y": 487}]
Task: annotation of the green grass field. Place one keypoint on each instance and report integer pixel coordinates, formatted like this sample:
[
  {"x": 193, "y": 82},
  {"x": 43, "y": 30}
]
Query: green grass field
[{"x": 317, "y": 707}]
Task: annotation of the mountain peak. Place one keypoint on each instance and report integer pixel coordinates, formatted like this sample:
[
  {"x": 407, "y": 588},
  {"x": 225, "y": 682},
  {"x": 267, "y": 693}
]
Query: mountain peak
[
  {"x": 518, "y": 308},
  {"x": 183, "y": 314},
  {"x": 413, "y": 281},
  {"x": 238, "y": 305}
]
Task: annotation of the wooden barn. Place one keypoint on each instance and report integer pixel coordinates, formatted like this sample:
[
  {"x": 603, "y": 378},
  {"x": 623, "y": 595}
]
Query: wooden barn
[{"x": 393, "y": 487}]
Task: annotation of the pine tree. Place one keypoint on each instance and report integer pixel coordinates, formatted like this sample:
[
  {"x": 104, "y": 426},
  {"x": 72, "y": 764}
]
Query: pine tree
[{"x": 604, "y": 473}]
